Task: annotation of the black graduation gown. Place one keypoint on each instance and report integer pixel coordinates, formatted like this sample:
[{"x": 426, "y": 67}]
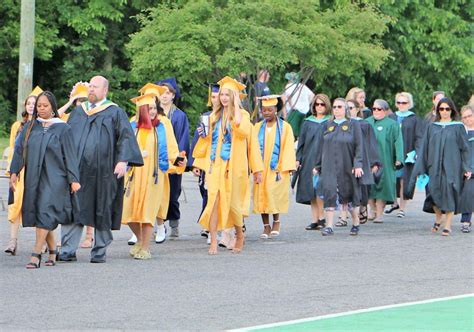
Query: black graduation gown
[
  {"x": 370, "y": 158},
  {"x": 342, "y": 151},
  {"x": 51, "y": 166},
  {"x": 309, "y": 146},
  {"x": 412, "y": 132},
  {"x": 101, "y": 141},
  {"x": 467, "y": 196},
  {"x": 444, "y": 157}
]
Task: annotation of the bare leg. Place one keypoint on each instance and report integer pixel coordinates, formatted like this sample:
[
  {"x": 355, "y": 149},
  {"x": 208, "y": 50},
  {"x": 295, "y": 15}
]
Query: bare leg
[
  {"x": 39, "y": 243},
  {"x": 137, "y": 230},
  {"x": 213, "y": 227},
  {"x": 315, "y": 210},
  {"x": 266, "y": 226},
  {"x": 14, "y": 228},
  {"x": 330, "y": 217},
  {"x": 449, "y": 219},
  {"x": 403, "y": 202},
  {"x": 276, "y": 223},
  {"x": 145, "y": 237},
  {"x": 439, "y": 217},
  {"x": 239, "y": 240},
  {"x": 380, "y": 205},
  {"x": 355, "y": 216}
]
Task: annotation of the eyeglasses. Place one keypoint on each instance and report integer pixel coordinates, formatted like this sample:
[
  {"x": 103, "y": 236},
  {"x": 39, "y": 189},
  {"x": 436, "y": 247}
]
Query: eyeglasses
[
  {"x": 466, "y": 116},
  {"x": 337, "y": 106},
  {"x": 320, "y": 104},
  {"x": 377, "y": 109},
  {"x": 447, "y": 109},
  {"x": 351, "y": 107},
  {"x": 402, "y": 102}
]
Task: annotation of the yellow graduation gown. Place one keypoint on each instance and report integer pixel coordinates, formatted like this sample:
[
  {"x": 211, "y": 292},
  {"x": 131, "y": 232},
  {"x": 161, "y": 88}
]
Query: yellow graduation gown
[
  {"x": 14, "y": 210},
  {"x": 256, "y": 165},
  {"x": 228, "y": 179},
  {"x": 272, "y": 196},
  {"x": 144, "y": 199}
]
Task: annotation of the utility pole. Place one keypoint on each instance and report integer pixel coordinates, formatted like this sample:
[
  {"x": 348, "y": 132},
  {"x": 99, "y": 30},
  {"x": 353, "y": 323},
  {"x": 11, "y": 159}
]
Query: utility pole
[{"x": 27, "y": 39}]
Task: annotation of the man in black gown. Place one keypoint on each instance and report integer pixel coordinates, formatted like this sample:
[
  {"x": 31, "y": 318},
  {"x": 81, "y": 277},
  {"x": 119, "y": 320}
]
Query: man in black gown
[{"x": 105, "y": 145}]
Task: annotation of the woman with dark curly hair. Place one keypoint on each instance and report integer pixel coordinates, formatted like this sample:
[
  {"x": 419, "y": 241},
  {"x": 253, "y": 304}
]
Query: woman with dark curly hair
[{"x": 444, "y": 157}]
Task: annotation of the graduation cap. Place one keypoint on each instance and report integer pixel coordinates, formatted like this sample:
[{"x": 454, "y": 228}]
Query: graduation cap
[
  {"x": 36, "y": 91},
  {"x": 271, "y": 100},
  {"x": 231, "y": 84},
  {"x": 153, "y": 89},
  {"x": 171, "y": 81},
  {"x": 213, "y": 88},
  {"x": 144, "y": 100},
  {"x": 82, "y": 91}
]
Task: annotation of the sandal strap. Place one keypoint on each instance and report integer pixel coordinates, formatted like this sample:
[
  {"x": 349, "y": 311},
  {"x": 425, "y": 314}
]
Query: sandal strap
[
  {"x": 33, "y": 254},
  {"x": 276, "y": 221}
]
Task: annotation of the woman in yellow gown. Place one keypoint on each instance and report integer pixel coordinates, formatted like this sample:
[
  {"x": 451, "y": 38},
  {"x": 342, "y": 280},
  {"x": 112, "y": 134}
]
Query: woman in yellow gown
[
  {"x": 223, "y": 153},
  {"x": 14, "y": 210},
  {"x": 276, "y": 143},
  {"x": 147, "y": 188}
]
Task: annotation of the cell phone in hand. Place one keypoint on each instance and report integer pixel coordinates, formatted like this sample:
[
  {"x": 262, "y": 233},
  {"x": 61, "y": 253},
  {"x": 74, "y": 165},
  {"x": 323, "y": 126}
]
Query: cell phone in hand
[{"x": 178, "y": 160}]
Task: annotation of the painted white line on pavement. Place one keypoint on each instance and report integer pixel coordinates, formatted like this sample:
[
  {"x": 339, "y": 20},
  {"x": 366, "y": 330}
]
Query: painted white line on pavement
[{"x": 310, "y": 319}]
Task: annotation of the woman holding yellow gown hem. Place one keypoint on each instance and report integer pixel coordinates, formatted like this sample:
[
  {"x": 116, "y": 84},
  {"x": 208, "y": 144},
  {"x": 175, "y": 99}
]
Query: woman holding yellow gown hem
[
  {"x": 147, "y": 188},
  {"x": 223, "y": 153}
]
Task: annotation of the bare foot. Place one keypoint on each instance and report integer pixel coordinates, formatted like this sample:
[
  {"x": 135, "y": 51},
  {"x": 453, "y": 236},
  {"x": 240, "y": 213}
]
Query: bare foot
[
  {"x": 87, "y": 243},
  {"x": 213, "y": 247},
  {"x": 239, "y": 244}
]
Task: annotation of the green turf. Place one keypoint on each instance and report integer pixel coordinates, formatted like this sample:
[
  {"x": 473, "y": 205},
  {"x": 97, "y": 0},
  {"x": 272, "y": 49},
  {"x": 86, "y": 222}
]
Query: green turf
[{"x": 448, "y": 315}]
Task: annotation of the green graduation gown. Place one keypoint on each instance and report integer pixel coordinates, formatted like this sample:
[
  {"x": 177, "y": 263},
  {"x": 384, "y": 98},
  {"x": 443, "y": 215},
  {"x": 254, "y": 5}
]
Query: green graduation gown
[{"x": 390, "y": 146}]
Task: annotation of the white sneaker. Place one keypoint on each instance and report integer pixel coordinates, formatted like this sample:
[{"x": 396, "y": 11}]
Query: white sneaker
[
  {"x": 132, "y": 240},
  {"x": 160, "y": 236}
]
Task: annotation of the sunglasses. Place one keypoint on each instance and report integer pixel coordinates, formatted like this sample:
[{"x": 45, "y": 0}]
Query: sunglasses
[
  {"x": 337, "y": 106},
  {"x": 402, "y": 102},
  {"x": 320, "y": 104},
  {"x": 377, "y": 109},
  {"x": 447, "y": 109}
]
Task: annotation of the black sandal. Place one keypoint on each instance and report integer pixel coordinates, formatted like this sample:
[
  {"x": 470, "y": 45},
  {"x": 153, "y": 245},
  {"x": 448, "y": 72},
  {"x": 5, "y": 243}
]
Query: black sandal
[
  {"x": 32, "y": 265},
  {"x": 363, "y": 216},
  {"x": 341, "y": 222},
  {"x": 391, "y": 209},
  {"x": 52, "y": 262},
  {"x": 435, "y": 227}
]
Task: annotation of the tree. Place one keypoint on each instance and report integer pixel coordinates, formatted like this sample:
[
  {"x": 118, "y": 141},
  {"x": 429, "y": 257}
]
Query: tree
[
  {"x": 431, "y": 44},
  {"x": 201, "y": 41}
]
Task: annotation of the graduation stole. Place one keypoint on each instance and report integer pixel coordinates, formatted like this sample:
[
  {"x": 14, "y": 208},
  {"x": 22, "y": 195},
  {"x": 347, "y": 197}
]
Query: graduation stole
[
  {"x": 226, "y": 141},
  {"x": 162, "y": 148},
  {"x": 444, "y": 124},
  {"x": 276, "y": 149},
  {"x": 402, "y": 115},
  {"x": 104, "y": 106},
  {"x": 312, "y": 118}
]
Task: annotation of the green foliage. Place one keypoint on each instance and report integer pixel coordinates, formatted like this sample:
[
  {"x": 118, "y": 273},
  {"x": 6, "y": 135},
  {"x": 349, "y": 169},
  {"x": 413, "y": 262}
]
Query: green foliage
[
  {"x": 431, "y": 44},
  {"x": 201, "y": 41},
  {"x": 383, "y": 46}
]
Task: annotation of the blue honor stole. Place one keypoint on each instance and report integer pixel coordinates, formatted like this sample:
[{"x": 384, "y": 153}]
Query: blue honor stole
[
  {"x": 276, "y": 149},
  {"x": 226, "y": 142}
]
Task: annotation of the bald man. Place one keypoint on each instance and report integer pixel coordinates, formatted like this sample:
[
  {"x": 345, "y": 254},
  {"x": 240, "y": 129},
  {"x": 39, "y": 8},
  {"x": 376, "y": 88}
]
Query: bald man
[{"x": 105, "y": 145}]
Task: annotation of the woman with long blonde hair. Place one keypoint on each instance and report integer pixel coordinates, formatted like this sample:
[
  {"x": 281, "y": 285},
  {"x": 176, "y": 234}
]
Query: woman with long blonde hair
[{"x": 221, "y": 152}]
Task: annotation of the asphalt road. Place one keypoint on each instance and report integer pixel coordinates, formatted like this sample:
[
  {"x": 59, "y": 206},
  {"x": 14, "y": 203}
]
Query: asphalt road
[{"x": 301, "y": 274}]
